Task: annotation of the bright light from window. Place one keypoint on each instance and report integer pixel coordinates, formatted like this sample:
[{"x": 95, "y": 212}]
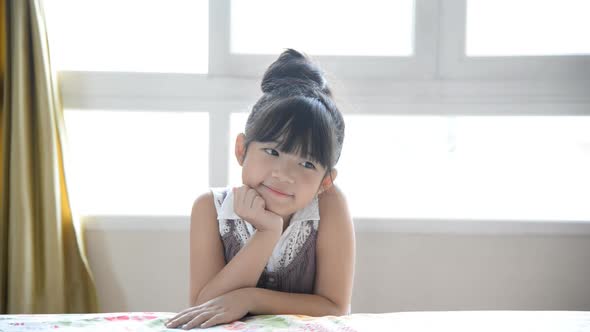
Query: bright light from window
[
  {"x": 137, "y": 163},
  {"x": 393, "y": 166},
  {"x": 323, "y": 27},
  {"x": 130, "y": 35},
  {"x": 478, "y": 167},
  {"x": 527, "y": 27}
]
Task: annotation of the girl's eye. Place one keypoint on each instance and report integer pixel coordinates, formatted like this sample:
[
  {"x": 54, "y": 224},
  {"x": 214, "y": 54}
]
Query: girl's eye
[
  {"x": 309, "y": 165},
  {"x": 272, "y": 151}
]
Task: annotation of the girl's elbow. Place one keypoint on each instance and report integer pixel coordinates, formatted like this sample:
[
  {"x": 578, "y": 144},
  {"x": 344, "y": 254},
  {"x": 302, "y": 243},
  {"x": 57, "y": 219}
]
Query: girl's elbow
[{"x": 340, "y": 311}]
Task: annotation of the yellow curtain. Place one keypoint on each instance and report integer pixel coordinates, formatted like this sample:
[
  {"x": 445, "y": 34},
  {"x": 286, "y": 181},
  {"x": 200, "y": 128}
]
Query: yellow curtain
[{"x": 43, "y": 267}]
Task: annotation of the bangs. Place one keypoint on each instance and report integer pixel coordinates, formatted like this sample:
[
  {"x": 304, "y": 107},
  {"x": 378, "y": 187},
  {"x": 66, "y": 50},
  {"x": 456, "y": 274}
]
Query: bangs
[{"x": 299, "y": 126}]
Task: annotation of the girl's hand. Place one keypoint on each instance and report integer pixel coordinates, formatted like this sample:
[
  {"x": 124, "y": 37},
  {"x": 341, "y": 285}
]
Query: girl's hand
[
  {"x": 250, "y": 206},
  {"x": 223, "y": 309}
]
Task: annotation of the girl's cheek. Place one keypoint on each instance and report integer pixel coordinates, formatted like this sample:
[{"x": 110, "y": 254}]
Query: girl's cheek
[{"x": 306, "y": 181}]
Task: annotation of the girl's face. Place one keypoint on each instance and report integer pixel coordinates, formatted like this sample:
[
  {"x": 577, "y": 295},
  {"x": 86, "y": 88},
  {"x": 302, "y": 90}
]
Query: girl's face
[{"x": 286, "y": 182}]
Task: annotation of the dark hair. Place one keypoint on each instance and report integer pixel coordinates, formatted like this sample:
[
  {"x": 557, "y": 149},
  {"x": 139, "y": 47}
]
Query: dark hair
[{"x": 297, "y": 111}]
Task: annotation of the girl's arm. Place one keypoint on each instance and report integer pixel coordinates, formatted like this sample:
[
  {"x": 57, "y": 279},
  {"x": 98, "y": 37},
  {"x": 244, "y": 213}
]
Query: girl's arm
[
  {"x": 335, "y": 256},
  {"x": 335, "y": 250},
  {"x": 333, "y": 282},
  {"x": 209, "y": 275},
  {"x": 268, "y": 302}
]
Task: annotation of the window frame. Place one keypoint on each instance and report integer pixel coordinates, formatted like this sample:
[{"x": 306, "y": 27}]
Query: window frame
[
  {"x": 420, "y": 65},
  {"x": 437, "y": 80},
  {"x": 455, "y": 64}
]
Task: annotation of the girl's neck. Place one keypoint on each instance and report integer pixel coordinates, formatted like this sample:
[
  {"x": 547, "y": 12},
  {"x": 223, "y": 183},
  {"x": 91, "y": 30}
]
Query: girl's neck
[{"x": 286, "y": 221}]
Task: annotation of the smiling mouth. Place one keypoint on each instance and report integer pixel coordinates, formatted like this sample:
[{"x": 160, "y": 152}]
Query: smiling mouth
[{"x": 277, "y": 192}]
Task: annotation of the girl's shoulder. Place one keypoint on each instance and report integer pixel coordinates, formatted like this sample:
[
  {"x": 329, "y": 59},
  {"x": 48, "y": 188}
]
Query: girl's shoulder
[
  {"x": 212, "y": 200},
  {"x": 203, "y": 210},
  {"x": 332, "y": 195},
  {"x": 334, "y": 206}
]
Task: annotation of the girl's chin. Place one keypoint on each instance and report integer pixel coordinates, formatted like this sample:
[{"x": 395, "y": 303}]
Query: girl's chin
[{"x": 281, "y": 208}]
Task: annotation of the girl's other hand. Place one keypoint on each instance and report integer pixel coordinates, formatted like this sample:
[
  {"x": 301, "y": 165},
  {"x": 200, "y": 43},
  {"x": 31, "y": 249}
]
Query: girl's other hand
[
  {"x": 250, "y": 206},
  {"x": 223, "y": 309}
]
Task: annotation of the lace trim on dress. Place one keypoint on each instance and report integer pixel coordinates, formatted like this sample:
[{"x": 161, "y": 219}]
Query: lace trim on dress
[
  {"x": 287, "y": 248},
  {"x": 291, "y": 245}
]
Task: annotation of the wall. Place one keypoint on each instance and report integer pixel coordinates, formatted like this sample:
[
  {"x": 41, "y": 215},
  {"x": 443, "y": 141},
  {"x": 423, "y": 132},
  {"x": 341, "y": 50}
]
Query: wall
[{"x": 141, "y": 264}]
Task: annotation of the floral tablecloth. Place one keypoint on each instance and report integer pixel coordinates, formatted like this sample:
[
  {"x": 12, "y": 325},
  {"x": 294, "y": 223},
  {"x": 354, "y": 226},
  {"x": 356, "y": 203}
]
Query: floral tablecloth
[{"x": 427, "y": 321}]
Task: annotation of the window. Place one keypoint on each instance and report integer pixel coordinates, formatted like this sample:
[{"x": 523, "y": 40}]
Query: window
[
  {"x": 371, "y": 28},
  {"x": 512, "y": 40},
  {"x": 130, "y": 35},
  {"x": 136, "y": 163},
  {"x": 464, "y": 167},
  {"x": 550, "y": 27},
  {"x": 351, "y": 39},
  {"x": 472, "y": 125}
]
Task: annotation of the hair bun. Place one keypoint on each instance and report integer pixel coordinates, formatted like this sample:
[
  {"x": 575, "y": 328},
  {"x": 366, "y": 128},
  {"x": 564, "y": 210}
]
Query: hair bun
[{"x": 295, "y": 73}]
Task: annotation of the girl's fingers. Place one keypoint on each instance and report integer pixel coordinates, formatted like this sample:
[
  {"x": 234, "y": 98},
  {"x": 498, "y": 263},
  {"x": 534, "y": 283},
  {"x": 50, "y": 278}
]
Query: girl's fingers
[
  {"x": 180, "y": 314},
  {"x": 238, "y": 199},
  {"x": 184, "y": 318},
  {"x": 259, "y": 203},
  {"x": 250, "y": 196},
  {"x": 238, "y": 195},
  {"x": 172, "y": 322},
  {"x": 217, "y": 319},
  {"x": 198, "y": 320}
]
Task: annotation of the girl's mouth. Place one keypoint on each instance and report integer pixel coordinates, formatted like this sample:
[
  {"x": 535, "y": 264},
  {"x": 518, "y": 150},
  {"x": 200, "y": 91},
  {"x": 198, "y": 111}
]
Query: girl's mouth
[{"x": 276, "y": 192}]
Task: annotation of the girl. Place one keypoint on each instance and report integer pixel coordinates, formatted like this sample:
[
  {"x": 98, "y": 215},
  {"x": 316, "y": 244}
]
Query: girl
[{"x": 283, "y": 243}]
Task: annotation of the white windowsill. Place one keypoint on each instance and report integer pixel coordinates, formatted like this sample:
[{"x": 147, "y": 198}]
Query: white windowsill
[{"x": 364, "y": 225}]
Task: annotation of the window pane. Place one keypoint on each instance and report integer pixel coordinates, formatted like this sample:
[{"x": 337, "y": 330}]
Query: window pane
[
  {"x": 527, "y": 27},
  {"x": 130, "y": 35},
  {"x": 523, "y": 167},
  {"x": 138, "y": 163},
  {"x": 478, "y": 167},
  {"x": 469, "y": 167},
  {"x": 323, "y": 27},
  {"x": 400, "y": 161}
]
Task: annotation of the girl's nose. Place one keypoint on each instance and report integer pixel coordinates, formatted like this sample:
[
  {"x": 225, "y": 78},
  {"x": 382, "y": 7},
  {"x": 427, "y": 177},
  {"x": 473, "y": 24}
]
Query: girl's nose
[{"x": 281, "y": 172}]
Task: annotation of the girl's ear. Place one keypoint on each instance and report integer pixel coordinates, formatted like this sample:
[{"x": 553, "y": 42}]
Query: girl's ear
[
  {"x": 327, "y": 181},
  {"x": 240, "y": 148}
]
